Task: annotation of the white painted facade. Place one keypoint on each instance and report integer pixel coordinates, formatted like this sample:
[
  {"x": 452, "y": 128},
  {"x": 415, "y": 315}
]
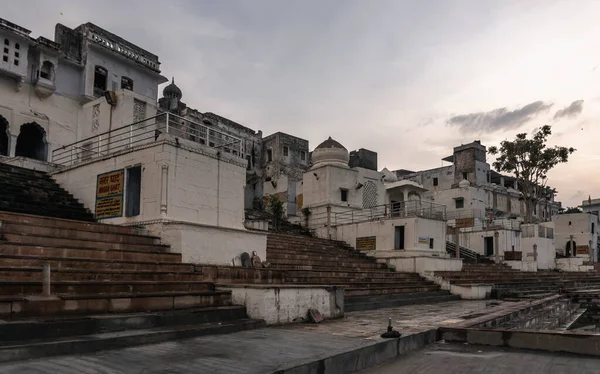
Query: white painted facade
[
  {"x": 583, "y": 228},
  {"x": 191, "y": 196}
]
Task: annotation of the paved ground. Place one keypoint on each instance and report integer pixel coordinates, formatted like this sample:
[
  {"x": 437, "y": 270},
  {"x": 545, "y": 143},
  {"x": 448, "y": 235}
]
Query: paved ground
[
  {"x": 468, "y": 359},
  {"x": 257, "y": 351}
]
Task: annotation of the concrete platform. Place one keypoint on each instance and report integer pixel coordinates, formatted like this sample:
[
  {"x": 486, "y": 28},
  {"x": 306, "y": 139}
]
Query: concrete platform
[
  {"x": 337, "y": 346},
  {"x": 474, "y": 359}
]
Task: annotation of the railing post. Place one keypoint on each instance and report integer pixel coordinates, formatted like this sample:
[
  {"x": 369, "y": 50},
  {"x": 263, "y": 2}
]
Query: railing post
[
  {"x": 99, "y": 145},
  {"x": 46, "y": 279}
]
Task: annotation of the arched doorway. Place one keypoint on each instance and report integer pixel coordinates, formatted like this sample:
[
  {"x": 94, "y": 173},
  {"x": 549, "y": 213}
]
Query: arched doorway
[
  {"x": 31, "y": 142},
  {"x": 3, "y": 136}
]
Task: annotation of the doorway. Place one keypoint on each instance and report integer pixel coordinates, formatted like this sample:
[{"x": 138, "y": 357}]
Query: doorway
[
  {"x": 488, "y": 245},
  {"x": 133, "y": 191},
  {"x": 399, "y": 237},
  {"x": 31, "y": 142}
]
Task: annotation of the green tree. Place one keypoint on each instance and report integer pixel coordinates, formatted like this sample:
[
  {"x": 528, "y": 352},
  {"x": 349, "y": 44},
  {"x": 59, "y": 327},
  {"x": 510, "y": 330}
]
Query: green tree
[
  {"x": 571, "y": 210},
  {"x": 276, "y": 207},
  {"x": 530, "y": 160}
]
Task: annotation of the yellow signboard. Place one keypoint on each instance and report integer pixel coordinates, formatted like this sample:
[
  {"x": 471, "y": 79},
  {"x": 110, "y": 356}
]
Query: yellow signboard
[
  {"x": 109, "y": 194},
  {"x": 582, "y": 249},
  {"x": 366, "y": 243},
  {"x": 423, "y": 240},
  {"x": 464, "y": 222}
]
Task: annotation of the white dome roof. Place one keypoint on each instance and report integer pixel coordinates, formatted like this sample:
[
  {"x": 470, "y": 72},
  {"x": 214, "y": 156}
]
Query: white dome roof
[
  {"x": 464, "y": 183},
  {"x": 330, "y": 152}
]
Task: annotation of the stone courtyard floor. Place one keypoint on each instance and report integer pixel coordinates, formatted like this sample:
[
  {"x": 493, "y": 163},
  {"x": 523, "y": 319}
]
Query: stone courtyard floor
[
  {"x": 473, "y": 359},
  {"x": 258, "y": 351}
]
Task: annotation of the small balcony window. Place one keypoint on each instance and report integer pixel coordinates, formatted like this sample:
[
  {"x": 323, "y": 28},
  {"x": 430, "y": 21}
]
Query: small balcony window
[
  {"x": 100, "y": 78},
  {"x": 126, "y": 83}
]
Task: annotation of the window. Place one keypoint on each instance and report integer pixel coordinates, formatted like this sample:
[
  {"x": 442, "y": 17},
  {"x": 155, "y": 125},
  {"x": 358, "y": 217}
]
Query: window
[
  {"x": 5, "y": 58},
  {"x": 249, "y": 165},
  {"x": 269, "y": 155},
  {"x": 302, "y": 155},
  {"x": 435, "y": 181},
  {"x": 430, "y": 243},
  {"x": 6, "y": 42},
  {"x": 460, "y": 203},
  {"x": 286, "y": 151},
  {"x": 126, "y": 83},
  {"x": 17, "y": 46},
  {"x": 100, "y": 75},
  {"x": 133, "y": 190},
  {"x": 344, "y": 194},
  {"x": 47, "y": 71},
  {"x": 465, "y": 176}
]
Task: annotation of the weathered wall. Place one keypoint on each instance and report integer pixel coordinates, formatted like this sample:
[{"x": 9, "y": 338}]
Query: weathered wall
[
  {"x": 201, "y": 244},
  {"x": 384, "y": 231},
  {"x": 580, "y": 226},
  {"x": 287, "y": 304},
  {"x": 199, "y": 187},
  {"x": 506, "y": 240}
]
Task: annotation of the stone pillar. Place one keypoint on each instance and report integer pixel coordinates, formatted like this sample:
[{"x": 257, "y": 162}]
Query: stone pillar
[
  {"x": 502, "y": 181},
  {"x": 516, "y": 185},
  {"x": 12, "y": 145},
  {"x": 497, "y": 247},
  {"x": 572, "y": 249},
  {"x": 164, "y": 190}
]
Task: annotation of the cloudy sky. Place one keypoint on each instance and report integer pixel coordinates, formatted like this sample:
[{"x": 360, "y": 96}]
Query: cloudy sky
[{"x": 407, "y": 79}]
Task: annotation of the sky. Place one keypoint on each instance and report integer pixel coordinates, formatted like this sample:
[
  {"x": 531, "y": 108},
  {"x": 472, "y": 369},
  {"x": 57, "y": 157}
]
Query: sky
[{"x": 407, "y": 79}]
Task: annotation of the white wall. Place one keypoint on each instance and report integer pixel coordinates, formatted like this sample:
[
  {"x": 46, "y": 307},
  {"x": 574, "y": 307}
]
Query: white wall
[
  {"x": 384, "y": 231},
  {"x": 287, "y": 304},
  {"x": 506, "y": 240},
  {"x": 200, "y": 188},
  {"x": 145, "y": 82},
  {"x": 209, "y": 245},
  {"x": 580, "y": 226}
]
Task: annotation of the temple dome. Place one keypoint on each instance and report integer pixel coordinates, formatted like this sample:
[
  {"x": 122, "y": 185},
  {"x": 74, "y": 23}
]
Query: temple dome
[
  {"x": 464, "y": 183},
  {"x": 330, "y": 152},
  {"x": 172, "y": 90}
]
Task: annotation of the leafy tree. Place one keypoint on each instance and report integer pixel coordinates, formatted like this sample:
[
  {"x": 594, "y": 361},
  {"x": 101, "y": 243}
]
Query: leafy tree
[
  {"x": 276, "y": 207},
  {"x": 571, "y": 210},
  {"x": 530, "y": 160}
]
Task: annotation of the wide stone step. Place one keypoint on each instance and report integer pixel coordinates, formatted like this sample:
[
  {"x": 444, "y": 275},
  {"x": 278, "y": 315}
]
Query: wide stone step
[
  {"x": 97, "y": 342},
  {"x": 35, "y": 274},
  {"x": 340, "y": 272},
  {"x": 277, "y": 257},
  {"x": 53, "y": 232},
  {"x": 16, "y": 307},
  {"x": 312, "y": 252},
  {"x": 355, "y": 281},
  {"x": 21, "y": 249},
  {"x": 323, "y": 266},
  {"x": 101, "y": 287},
  {"x": 388, "y": 290},
  {"x": 87, "y": 263},
  {"x": 60, "y": 212},
  {"x": 391, "y": 301},
  {"x": 26, "y": 330},
  {"x": 67, "y": 224},
  {"x": 81, "y": 243}
]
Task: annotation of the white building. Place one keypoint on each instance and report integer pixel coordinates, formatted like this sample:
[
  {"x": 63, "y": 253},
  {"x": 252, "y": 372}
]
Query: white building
[
  {"x": 577, "y": 240},
  {"x": 374, "y": 212},
  {"x": 47, "y": 87}
]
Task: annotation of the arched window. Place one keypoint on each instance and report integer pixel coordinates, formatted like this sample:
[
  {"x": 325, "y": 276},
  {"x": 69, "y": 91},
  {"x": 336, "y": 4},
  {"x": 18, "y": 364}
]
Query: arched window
[
  {"x": 31, "y": 142},
  {"x": 3, "y": 136},
  {"x": 47, "y": 71}
]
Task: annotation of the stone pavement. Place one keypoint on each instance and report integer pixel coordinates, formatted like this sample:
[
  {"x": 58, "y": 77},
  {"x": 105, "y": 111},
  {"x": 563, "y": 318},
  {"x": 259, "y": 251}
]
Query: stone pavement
[
  {"x": 472, "y": 359},
  {"x": 256, "y": 351}
]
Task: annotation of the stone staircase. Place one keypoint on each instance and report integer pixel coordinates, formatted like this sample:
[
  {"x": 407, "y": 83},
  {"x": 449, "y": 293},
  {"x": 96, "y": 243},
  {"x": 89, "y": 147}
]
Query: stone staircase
[
  {"x": 111, "y": 286},
  {"x": 468, "y": 256},
  {"x": 35, "y": 192},
  {"x": 511, "y": 283},
  {"x": 368, "y": 284}
]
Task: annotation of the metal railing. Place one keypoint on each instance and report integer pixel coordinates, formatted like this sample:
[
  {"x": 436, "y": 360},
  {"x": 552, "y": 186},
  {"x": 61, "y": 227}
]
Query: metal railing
[
  {"x": 142, "y": 133},
  {"x": 403, "y": 209},
  {"x": 464, "y": 213}
]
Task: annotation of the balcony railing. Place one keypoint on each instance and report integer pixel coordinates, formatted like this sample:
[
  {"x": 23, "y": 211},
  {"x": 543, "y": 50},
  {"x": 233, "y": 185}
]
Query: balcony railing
[
  {"x": 143, "y": 133},
  {"x": 403, "y": 209}
]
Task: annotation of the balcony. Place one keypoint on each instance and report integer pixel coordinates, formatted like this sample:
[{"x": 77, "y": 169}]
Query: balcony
[
  {"x": 402, "y": 209},
  {"x": 165, "y": 126}
]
